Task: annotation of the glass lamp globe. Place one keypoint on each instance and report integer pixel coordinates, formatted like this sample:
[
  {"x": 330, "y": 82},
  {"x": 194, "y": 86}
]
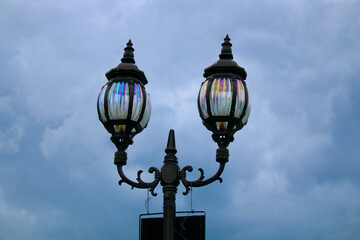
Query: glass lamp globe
[
  {"x": 223, "y": 101},
  {"x": 124, "y": 107}
]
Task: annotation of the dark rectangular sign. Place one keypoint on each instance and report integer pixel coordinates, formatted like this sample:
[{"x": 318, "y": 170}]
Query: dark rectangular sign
[{"x": 188, "y": 227}]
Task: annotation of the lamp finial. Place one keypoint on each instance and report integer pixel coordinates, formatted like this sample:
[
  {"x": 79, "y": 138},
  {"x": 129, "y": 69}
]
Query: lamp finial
[
  {"x": 129, "y": 53},
  {"x": 226, "y": 52}
]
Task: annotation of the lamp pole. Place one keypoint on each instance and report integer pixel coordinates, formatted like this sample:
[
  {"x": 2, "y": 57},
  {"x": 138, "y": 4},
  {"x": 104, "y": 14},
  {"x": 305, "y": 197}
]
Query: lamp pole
[{"x": 124, "y": 108}]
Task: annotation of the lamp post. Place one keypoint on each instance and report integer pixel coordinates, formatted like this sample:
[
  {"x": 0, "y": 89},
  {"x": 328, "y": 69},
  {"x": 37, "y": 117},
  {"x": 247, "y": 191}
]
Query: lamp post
[{"x": 124, "y": 109}]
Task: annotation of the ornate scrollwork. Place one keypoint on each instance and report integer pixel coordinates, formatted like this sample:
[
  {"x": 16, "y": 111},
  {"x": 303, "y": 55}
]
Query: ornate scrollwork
[
  {"x": 200, "y": 181},
  {"x": 140, "y": 183},
  {"x": 222, "y": 157}
]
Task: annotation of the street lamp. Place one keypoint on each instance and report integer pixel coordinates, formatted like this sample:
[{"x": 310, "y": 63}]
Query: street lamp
[{"x": 124, "y": 109}]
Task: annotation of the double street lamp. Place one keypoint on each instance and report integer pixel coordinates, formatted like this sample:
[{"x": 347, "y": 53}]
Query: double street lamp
[{"x": 124, "y": 109}]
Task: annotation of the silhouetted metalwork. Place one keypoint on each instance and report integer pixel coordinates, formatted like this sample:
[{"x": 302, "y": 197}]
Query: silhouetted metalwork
[{"x": 124, "y": 109}]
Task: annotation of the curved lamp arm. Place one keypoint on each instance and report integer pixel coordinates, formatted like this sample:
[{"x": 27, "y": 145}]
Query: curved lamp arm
[
  {"x": 120, "y": 161},
  {"x": 222, "y": 156}
]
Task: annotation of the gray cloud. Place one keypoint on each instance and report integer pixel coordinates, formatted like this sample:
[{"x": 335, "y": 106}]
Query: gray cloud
[{"x": 293, "y": 170}]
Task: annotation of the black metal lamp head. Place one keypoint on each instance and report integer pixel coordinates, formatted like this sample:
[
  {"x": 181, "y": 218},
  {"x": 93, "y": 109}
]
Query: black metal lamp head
[
  {"x": 223, "y": 101},
  {"x": 123, "y": 105}
]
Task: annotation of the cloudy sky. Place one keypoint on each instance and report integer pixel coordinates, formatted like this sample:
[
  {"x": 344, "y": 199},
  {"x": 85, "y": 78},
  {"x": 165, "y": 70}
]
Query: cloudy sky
[{"x": 293, "y": 170}]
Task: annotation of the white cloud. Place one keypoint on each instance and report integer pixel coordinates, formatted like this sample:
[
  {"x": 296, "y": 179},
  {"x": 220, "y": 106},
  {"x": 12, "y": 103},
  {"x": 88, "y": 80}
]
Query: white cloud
[
  {"x": 324, "y": 209},
  {"x": 5, "y": 105},
  {"x": 34, "y": 222},
  {"x": 10, "y": 139},
  {"x": 74, "y": 135},
  {"x": 48, "y": 91},
  {"x": 14, "y": 214},
  {"x": 180, "y": 104},
  {"x": 340, "y": 1}
]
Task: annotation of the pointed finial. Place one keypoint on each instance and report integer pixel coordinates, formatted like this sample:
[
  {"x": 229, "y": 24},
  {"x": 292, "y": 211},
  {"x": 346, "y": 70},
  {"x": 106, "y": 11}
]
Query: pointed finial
[
  {"x": 129, "y": 53},
  {"x": 226, "y": 52},
  {"x": 171, "y": 148},
  {"x": 225, "y": 65},
  {"x": 127, "y": 68}
]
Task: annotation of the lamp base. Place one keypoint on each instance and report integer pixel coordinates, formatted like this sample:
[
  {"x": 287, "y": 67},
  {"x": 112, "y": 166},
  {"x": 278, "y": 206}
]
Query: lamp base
[
  {"x": 223, "y": 140},
  {"x": 121, "y": 142}
]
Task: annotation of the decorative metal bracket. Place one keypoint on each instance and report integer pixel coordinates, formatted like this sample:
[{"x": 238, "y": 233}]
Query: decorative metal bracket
[
  {"x": 120, "y": 161},
  {"x": 222, "y": 156}
]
